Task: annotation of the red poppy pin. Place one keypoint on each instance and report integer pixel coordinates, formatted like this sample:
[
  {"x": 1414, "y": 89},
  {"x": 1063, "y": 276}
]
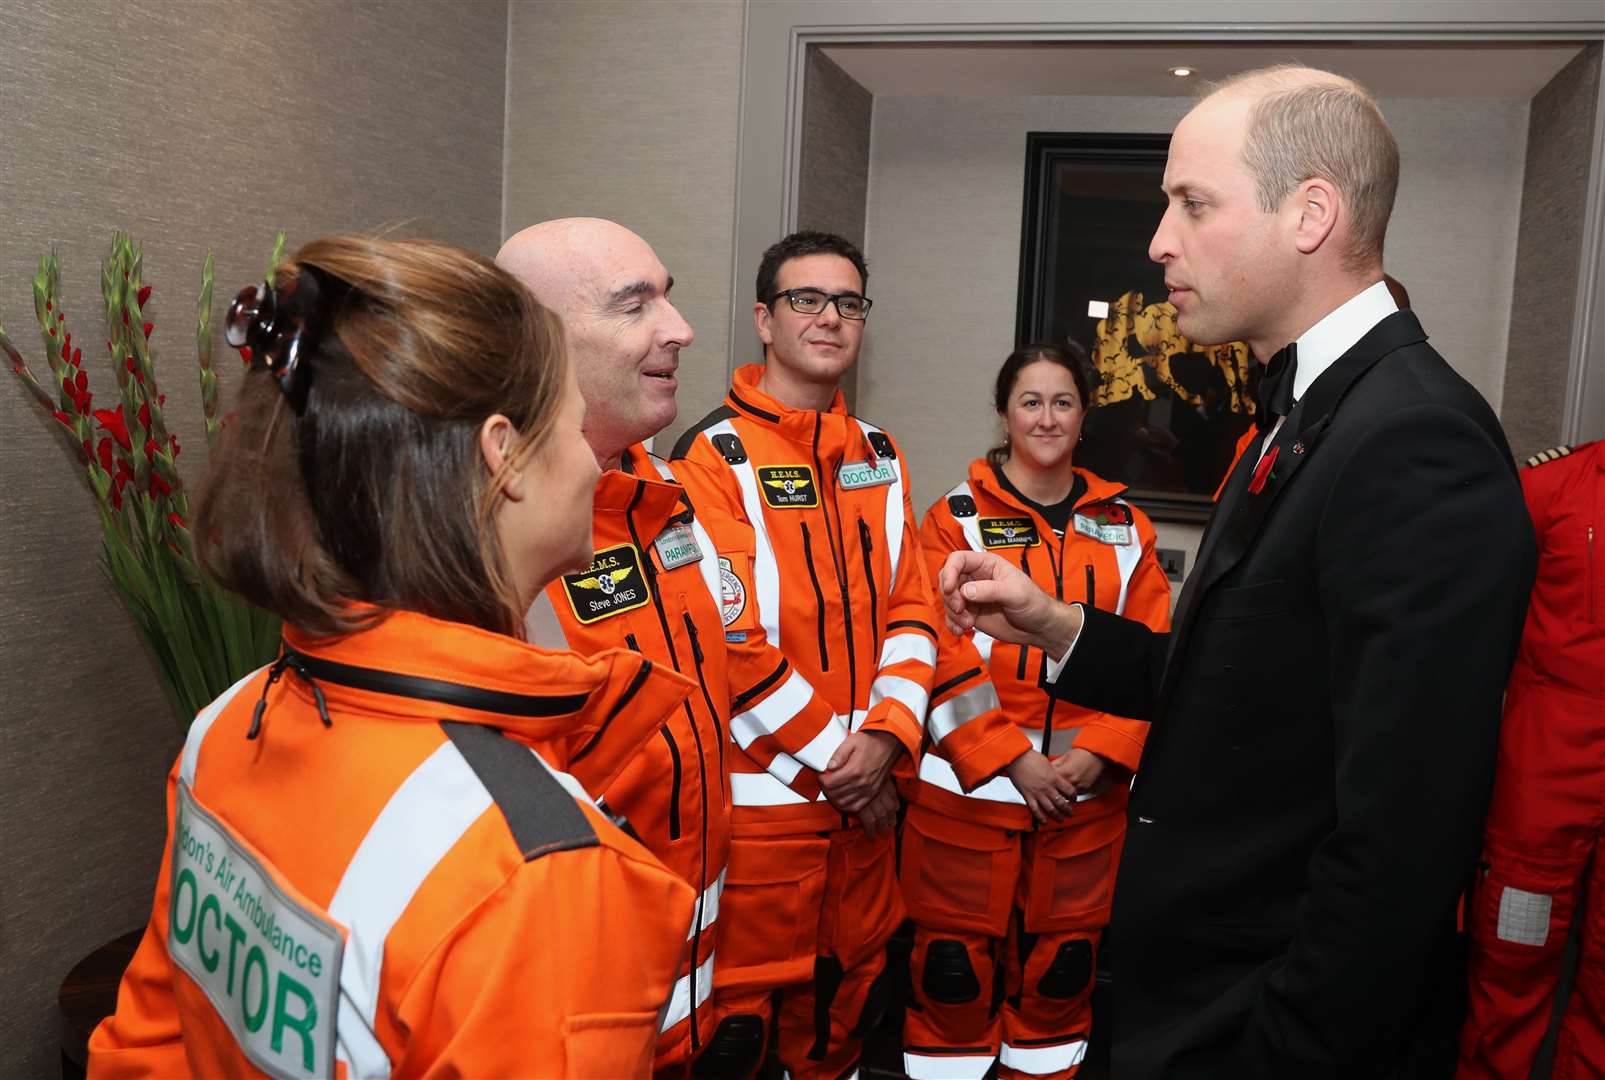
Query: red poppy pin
[{"x": 1262, "y": 471}]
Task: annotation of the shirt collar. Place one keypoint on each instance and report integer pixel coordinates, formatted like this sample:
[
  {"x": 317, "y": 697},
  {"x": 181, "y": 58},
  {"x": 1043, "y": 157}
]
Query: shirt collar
[{"x": 1324, "y": 343}]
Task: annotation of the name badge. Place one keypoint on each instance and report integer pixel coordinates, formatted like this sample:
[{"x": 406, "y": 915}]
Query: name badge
[
  {"x": 677, "y": 546},
  {"x": 614, "y": 583},
  {"x": 267, "y": 959},
  {"x": 1110, "y": 524},
  {"x": 861, "y": 474},
  {"x": 1007, "y": 532},
  {"x": 788, "y": 486}
]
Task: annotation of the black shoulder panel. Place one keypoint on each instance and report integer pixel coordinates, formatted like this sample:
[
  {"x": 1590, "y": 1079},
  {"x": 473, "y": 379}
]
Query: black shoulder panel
[
  {"x": 961, "y": 506},
  {"x": 682, "y": 446},
  {"x": 541, "y": 813}
]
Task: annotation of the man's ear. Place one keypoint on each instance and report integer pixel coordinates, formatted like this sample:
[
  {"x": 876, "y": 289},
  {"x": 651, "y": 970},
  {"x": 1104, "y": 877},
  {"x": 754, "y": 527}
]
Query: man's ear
[
  {"x": 1318, "y": 205},
  {"x": 761, "y": 314},
  {"x": 497, "y": 437}
]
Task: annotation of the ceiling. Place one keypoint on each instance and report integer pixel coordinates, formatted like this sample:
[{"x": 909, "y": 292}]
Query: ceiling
[{"x": 1513, "y": 72}]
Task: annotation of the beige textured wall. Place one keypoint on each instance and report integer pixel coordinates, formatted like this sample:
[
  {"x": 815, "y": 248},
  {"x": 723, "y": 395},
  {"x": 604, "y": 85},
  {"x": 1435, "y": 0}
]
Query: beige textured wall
[
  {"x": 1558, "y": 142},
  {"x": 193, "y": 125},
  {"x": 958, "y": 163},
  {"x": 629, "y": 111}
]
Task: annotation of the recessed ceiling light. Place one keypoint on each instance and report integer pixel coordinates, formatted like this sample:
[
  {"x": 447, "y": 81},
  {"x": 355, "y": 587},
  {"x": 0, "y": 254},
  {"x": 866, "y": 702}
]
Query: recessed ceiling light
[{"x": 1183, "y": 72}]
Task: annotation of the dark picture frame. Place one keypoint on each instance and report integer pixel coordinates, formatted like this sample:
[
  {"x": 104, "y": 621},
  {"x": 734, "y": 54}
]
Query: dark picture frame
[{"x": 1170, "y": 413}]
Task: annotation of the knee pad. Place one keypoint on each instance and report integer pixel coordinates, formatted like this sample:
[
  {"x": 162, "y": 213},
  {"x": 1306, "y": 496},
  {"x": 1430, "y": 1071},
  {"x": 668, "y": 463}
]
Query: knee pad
[
  {"x": 949, "y": 977},
  {"x": 1070, "y": 971},
  {"x": 735, "y": 1050}
]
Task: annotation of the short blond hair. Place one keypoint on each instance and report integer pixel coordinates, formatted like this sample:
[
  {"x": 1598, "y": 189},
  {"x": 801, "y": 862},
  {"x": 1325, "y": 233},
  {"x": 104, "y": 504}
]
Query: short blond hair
[{"x": 1307, "y": 123}]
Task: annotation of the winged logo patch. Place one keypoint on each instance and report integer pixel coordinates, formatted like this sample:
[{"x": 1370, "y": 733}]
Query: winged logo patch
[
  {"x": 787, "y": 486},
  {"x": 611, "y": 584},
  {"x": 1006, "y": 532}
]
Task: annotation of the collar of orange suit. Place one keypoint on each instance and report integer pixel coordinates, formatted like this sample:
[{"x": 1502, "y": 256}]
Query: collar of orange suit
[
  {"x": 636, "y": 489},
  {"x": 1098, "y": 490},
  {"x": 585, "y": 714},
  {"x": 839, "y": 438}
]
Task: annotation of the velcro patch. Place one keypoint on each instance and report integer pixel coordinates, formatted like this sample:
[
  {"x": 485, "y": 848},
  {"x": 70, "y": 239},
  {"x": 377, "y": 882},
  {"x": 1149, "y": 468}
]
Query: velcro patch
[
  {"x": 612, "y": 584},
  {"x": 788, "y": 486},
  {"x": 1007, "y": 532},
  {"x": 1524, "y": 916},
  {"x": 267, "y": 959}
]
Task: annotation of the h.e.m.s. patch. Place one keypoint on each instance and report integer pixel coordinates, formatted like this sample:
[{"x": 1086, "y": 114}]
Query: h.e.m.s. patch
[
  {"x": 612, "y": 584},
  {"x": 1006, "y": 532},
  {"x": 788, "y": 486}
]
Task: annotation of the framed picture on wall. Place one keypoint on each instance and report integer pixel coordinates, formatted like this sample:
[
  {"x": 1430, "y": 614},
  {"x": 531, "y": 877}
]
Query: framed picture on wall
[{"x": 1169, "y": 412}]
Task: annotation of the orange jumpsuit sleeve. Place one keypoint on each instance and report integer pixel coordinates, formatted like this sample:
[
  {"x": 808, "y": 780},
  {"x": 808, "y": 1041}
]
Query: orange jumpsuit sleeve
[
  {"x": 776, "y": 716},
  {"x": 966, "y": 725},
  {"x": 143, "y": 1037},
  {"x": 563, "y": 971},
  {"x": 1147, "y": 601},
  {"x": 905, "y": 671}
]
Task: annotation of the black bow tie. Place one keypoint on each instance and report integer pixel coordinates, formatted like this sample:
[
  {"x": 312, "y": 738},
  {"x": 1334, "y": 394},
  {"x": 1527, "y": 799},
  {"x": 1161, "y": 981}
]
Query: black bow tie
[{"x": 1275, "y": 394}]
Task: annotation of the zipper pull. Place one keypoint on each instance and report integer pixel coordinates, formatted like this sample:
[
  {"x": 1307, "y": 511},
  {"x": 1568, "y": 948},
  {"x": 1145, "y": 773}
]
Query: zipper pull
[
  {"x": 261, "y": 703},
  {"x": 696, "y": 645}
]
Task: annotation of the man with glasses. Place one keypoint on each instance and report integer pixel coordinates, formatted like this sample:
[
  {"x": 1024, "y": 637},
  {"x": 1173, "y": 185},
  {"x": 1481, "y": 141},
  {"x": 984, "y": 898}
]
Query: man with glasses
[{"x": 809, "y": 510}]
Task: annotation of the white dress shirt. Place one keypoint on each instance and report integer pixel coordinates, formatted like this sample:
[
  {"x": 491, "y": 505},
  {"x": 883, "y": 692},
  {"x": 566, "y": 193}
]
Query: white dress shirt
[{"x": 1319, "y": 348}]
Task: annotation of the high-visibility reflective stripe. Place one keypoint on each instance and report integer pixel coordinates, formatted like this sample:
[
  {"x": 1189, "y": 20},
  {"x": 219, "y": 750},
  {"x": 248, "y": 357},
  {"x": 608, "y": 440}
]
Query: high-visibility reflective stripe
[
  {"x": 935, "y": 770},
  {"x": 424, "y": 819},
  {"x": 983, "y": 645},
  {"x": 972, "y": 524},
  {"x": 1127, "y": 556},
  {"x": 765, "y": 582},
  {"x": 1040, "y": 1060},
  {"x": 707, "y": 909},
  {"x": 960, "y": 709},
  {"x": 202, "y": 724},
  {"x": 709, "y": 566},
  {"x": 542, "y": 626},
  {"x": 909, "y": 692},
  {"x": 774, "y": 712},
  {"x": 894, "y": 507},
  {"x": 910, "y": 646},
  {"x": 945, "y": 1066},
  {"x": 680, "y": 1000},
  {"x": 762, "y": 789},
  {"x": 859, "y": 716}
]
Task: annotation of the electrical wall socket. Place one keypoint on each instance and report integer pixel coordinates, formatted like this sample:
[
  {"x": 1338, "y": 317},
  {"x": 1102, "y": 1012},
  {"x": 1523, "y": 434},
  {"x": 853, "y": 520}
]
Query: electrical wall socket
[{"x": 1173, "y": 561}]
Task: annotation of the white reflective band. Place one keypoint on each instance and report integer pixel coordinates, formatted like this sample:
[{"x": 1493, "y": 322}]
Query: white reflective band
[
  {"x": 1040, "y": 1060},
  {"x": 203, "y": 723},
  {"x": 424, "y": 819},
  {"x": 935, "y": 770},
  {"x": 910, "y": 646},
  {"x": 972, "y": 524},
  {"x": 909, "y": 692},
  {"x": 784, "y": 768},
  {"x": 680, "y": 1000},
  {"x": 816, "y": 755},
  {"x": 762, "y": 789},
  {"x": 1127, "y": 556},
  {"x": 710, "y": 556},
  {"x": 983, "y": 645},
  {"x": 765, "y": 583},
  {"x": 707, "y": 911},
  {"x": 945, "y": 1066},
  {"x": 894, "y": 508},
  {"x": 960, "y": 709},
  {"x": 541, "y": 624},
  {"x": 777, "y": 710},
  {"x": 859, "y": 716}
]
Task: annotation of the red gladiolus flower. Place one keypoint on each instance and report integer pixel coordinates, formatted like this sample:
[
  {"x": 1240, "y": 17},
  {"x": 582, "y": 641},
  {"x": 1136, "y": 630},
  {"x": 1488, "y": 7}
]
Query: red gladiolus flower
[
  {"x": 78, "y": 358},
  {"x": 144, "y": 295},
  {"x": 105, "y": 453},
  {"x": 125, "y": 316},
  {"x": 176, "y": 521},
  {"x": 172, "y": 441},
  {"x": 66, "y": 421},
  {"x": 82, "y": 381},
  {"x": 149, "y": 327},
  {"x": 113, "y": 423},
  {"x": 150, "y": 450},
  {"x": 144, "y": 415},
  {"x": 49, "y": 306},
  {"x": 158, "y": 487},
  {"x": 88, "y": 452}
]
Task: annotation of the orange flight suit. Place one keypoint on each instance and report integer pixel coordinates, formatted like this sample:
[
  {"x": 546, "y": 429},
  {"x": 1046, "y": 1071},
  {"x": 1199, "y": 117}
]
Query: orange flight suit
[
  {"x": 990, "y": 892},
  {"x": 378, "y": 865}
]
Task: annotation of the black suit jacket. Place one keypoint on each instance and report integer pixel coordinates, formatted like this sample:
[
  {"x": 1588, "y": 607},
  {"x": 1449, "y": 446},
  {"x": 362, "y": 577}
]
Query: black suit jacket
[{"x": 1325, "y": 713}]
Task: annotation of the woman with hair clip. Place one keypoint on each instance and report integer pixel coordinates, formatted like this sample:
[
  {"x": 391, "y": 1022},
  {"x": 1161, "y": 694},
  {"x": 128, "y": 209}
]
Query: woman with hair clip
[
  {"x": 1011, "y": 880},
  {"x": 381, "y": 857}
]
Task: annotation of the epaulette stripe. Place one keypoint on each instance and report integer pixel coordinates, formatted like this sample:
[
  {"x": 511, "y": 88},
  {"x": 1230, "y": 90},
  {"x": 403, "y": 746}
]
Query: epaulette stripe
[
  {"x": 682, "y": 447},
  {"x": 1543, "y": 457}
]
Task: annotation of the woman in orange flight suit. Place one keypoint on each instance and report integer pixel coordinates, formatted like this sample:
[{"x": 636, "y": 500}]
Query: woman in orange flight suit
[
  {"x": 382, "y": 859},
  {"x": 992, "y": 878}
]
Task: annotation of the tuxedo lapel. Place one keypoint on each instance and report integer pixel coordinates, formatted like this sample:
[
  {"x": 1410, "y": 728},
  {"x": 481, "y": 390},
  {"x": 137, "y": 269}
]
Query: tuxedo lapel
[{"x": 1241, "y": 513}]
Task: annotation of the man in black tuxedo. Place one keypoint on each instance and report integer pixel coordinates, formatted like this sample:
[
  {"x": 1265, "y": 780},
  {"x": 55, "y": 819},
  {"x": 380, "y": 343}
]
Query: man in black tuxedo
[{"x": 1326, "y": 706}]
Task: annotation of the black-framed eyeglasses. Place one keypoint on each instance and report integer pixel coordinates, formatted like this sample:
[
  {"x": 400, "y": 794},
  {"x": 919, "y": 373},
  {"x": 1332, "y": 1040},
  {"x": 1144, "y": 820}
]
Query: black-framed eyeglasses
[{"x": 812, "y": 302}]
